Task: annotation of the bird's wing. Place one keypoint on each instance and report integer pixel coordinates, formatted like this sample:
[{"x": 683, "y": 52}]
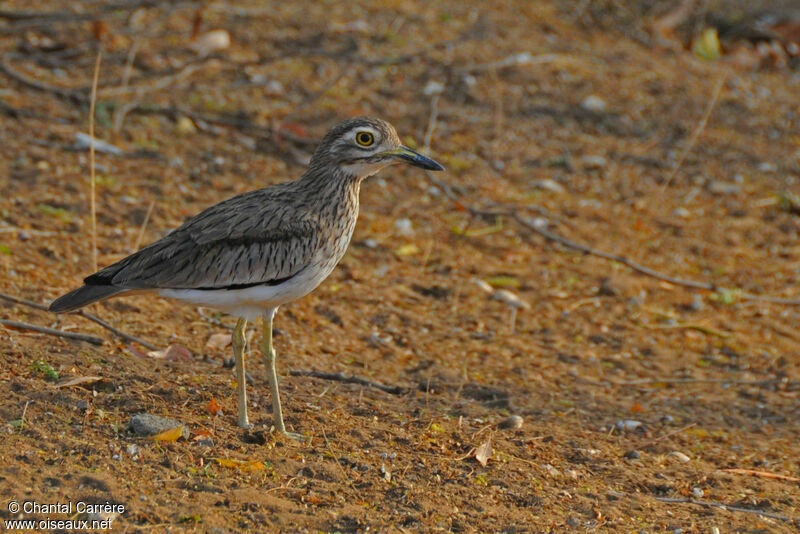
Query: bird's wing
[{"x": 251, "y": 239}]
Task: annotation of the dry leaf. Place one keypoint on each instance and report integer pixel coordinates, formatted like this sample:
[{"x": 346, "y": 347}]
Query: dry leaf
[
  {"x": 503, "y": 281},
  {"x": 707, "y": 46},
  {"x": 219, "y": 341},
  {"x": 483, "y": 453},
  {"x": 172, "y": 353},
  {"x": 201, "y": 434},
  {"x": 506, "y": 296},
  {"x": 213, "y": 407},
  {"x": 637, "y": 408},
  {"x": 244, "y": 466},
  {"x": 171, "y": 435},
  {"x": 211, "y": 42},
  {"x": 407, "y": 250},
  {"x": 78, "y": 381}
]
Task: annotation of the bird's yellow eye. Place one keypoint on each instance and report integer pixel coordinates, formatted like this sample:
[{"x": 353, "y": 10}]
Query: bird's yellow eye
[{"x": 365, "y": 138}]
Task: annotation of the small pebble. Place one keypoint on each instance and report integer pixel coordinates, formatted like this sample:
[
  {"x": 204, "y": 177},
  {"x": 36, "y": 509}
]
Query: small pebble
[
  {"x": 206, "y": 442},
  {"x": 594, "y": 103},
  {"x": 697, "y": 493},
  {"x": 681, "y": 212},
  {"x": 766, "y": 166},
  {"x": 633, "y": 455},
  {"x": 667, "y": 419},
  {"x": 133, "y": 449},
  {"x": 593, "y": 162},
  {"x": 552, "y": 471},
  {"x": 83, "y": 405},
  {"x": 433, "y": 88},
  {"x": 404, "y": 227},
  {"x": 83, "y": 141},
  {"x": 679, "y": 456},
  {"x": 387, "y": 474},
  {"x": 469, "y": 80},
  {"x": 724, "y": 188},
  {"x": 628, "y": 425},
  {"x": 512, "y": 422},
  {"x": 116, "y": 457},
  {"x": 548, "y": 184}
]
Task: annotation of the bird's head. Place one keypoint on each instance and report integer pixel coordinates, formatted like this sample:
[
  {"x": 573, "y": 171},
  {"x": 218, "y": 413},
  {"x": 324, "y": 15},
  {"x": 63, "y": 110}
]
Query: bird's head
[{"x": 362, "y": 146}]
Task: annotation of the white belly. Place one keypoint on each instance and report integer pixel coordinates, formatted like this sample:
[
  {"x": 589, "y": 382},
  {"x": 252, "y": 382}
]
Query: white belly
[{"x": 251, "y": 302}]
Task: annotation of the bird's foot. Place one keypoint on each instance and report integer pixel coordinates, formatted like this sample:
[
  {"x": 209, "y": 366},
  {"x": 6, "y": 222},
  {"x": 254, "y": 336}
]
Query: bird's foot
[
  {"x": 244, "y": 423},
  {"x": 295, "y": 436}
]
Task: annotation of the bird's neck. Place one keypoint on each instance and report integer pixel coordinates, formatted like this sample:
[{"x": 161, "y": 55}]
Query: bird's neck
[{"x": 332, "y": 190}]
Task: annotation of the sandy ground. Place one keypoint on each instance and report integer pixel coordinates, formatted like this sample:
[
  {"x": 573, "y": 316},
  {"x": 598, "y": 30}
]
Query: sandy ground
[{"x": 640, "y": 399}]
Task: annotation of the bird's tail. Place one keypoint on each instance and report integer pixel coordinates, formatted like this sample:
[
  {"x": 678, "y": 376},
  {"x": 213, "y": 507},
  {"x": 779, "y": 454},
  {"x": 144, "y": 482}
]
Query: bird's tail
[{"x": 78, "y": 298}]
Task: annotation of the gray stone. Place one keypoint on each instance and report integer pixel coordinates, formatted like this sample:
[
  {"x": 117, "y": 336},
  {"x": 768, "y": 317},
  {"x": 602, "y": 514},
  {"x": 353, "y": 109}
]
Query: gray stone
[
  {"x": 724, "y": 188},
  {"x": 144, "y": 424}
]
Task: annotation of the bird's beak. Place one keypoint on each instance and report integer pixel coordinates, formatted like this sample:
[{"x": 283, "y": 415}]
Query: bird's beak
[{"x": 414, "y": 158}]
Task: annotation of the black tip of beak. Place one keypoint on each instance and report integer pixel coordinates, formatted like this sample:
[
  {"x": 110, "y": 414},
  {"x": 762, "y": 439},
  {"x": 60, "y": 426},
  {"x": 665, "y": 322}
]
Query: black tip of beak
[{"x": 418, "y": 160}]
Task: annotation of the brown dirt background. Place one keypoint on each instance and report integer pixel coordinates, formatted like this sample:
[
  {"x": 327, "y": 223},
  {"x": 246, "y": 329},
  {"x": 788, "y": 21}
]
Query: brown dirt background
[{"x": 417, "y": 320}]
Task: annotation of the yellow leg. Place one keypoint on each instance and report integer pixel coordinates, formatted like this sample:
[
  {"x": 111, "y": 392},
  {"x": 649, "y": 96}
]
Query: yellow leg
[
  {"x": 239, "y": 343},
  {"x": 272, "y": 376}
]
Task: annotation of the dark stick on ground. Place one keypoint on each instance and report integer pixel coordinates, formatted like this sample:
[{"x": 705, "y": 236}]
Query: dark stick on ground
[
  {"x": 117, "y": 332},
  {"x": 650, "y": 381},
  {"x": 339, "y": 377},
  {"x": 19, "y": 325},
  {"x": 551, "y": 236},
  {"x": 711, "y": 504}
]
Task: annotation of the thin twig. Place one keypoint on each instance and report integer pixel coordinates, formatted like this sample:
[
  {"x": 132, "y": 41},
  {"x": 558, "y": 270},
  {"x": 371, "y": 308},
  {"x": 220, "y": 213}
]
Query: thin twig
[
  {"x": 11, "y": 72},
  {"x": 697, "y": 131},
  {"x": 530, "y": 225},
  {"x": 19, "y": 325},
  {"x": 665, "y": 436},
  {"x": 115, "y": 331},
  {"x": 431, "y": 123},
  {"x": 340, "y": 377},
  {"x": 335, "y": 459},
  {"x": 711, "y": 504},
  {"x": 140, "y": 236},
  {"x": 649, "y": 381},
  {"x": 22, "y": 418},
  {"x": 92, "y": 177},
  {"x": 542, "y": 231}
]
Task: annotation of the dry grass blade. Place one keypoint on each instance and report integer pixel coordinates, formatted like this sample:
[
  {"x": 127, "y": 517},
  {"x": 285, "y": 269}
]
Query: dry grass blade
[
  {"x": 140, "y": 235},
  {"x": 92, "y": 177},
  {"x": 698, "y": 130}
]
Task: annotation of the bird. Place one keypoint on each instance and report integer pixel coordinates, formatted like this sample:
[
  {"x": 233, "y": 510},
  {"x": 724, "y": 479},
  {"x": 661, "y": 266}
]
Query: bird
[{"x": 251, "y": 253}]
